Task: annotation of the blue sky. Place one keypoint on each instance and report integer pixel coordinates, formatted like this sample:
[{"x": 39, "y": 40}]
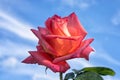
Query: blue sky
[{"x": 101, "y": 19}]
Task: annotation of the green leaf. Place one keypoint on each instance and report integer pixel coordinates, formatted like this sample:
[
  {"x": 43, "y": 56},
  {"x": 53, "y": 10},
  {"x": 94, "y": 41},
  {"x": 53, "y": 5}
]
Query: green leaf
[
  {"x": 76, "y": 71},
  {"x": 88, "y": 76},
  {"x": 69, "y": 76},
  {"x": 100, "y": 70}
]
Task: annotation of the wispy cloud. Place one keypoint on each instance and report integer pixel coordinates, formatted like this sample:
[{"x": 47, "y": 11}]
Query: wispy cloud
[
  {"x": 103, "y": 54},
  {"x": 9, "y": 62},
  {"x": 37, "y": 76},
  {"x": 9, "y": 48},
  {"x": 12, "y": 65},
  {"x": 108, "y": 58},
  {"x": 110, "y": 78},
  {"x": 116, "y": 19},
  {"x": 104, "y": 29},
  {"x": 82, "y": 4},
  {"x": 81, "y": 62},
  {"x": 12, "y": 24}
]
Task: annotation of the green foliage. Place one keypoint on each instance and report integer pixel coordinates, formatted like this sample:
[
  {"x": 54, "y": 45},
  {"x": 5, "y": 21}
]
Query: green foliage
[
  {"x": 89, "y": 73},
  {"x": 100, "y": 70},
  {"x": 88, "y": 76},
  {"x": 69, "y": 76}
]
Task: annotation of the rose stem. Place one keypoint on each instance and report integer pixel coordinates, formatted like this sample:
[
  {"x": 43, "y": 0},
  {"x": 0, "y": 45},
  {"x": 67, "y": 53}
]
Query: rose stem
[{"x": 61, "y": 76}]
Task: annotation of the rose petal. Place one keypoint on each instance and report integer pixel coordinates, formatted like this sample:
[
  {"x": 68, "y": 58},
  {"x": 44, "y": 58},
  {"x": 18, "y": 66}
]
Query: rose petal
[
  {"x": 38, "y": 34},
  {"x": 29, "y": 60},
  {"x": 42, "y": 41},
  {"x": 57, "y": 26},
  {"x": 44, "y": 59},
  {"x": 76, "y": 54},
  {"x": 62, "y": 66},
  {"x": 52, "y": 27},
  {"x": 63, "y": 37},
  {"x": 63, "y": 45},
  {"x": 72, "y": 43},
  {"x": 48, "y": 24},
  {"x": 74, "y": 26},
  {"x": 85, "y": 53}
]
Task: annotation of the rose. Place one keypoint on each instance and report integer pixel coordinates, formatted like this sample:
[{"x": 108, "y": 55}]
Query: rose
[{"x": 60, "y": 40}]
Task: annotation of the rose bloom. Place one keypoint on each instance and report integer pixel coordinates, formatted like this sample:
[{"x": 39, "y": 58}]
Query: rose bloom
[{"x": 62, "y": 39}]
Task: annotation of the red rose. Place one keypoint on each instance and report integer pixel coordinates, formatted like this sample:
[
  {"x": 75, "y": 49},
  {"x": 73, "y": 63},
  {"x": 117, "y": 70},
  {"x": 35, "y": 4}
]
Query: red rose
[{"x": 60, "y": 40}]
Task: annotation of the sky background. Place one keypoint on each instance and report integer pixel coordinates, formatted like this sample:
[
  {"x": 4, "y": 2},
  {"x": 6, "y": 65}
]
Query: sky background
[{"x": 100, "y": 18}]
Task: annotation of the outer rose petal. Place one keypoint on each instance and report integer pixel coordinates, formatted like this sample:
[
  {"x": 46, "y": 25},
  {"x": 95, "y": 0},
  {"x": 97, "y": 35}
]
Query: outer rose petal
[
  {"x": 74, "y": 26},
  {"x": 85, "y": 53},
  {"x": 29, "y": 60},
  {"x": 76, "y": 54},
  {"x": 44, "y": 59}
]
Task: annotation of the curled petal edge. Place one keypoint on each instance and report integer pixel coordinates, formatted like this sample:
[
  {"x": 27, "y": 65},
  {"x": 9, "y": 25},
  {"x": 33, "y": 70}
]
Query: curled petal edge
[
  {"x": 76, "y": 54},
  {"x": 44, "y": 59}
]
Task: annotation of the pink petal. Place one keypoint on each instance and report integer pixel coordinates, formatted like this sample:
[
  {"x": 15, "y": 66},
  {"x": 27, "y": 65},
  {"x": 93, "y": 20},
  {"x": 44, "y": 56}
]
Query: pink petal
[
  {"x": 60, "y": 27},
  {"x": 61, "y": 66},
  {"x": 67, "y": 26},
  {"x": 46, "y": 60},
  {"x": 63, "y": 45},
  {"x": 63, "y": 37},
  {"x": 76, "y": 54},
  {"x": 29, "y": 60},
  {"x": 74, "y": 26},
  {"x": 85, "y": 53},
  {"x": 48, "y": 48},
  {"x": 57, "y": 26},
  {"x": 38, "y": 33},
  {"x": 48, "y": 24}
]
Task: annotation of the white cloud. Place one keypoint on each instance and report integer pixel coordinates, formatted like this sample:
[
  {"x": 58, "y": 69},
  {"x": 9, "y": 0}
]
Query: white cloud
[
  {"x": 79, "y": 63},
  {"x": 82, "y": 4},
  {"x": 82, "y": 62},
  {"x": 105, "y": 29},
  {"x": 38, "y": 76},
  {"x": 110, "y": 78},
  {"x": 116, "y": 19},
  {"x": 12, "y": 24},
  {"x": 9, "y": 62},
  {"x": 103, "y": 54},
  {"x": 108, "y": 58},
  {"x": 9, "y": 48}
]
